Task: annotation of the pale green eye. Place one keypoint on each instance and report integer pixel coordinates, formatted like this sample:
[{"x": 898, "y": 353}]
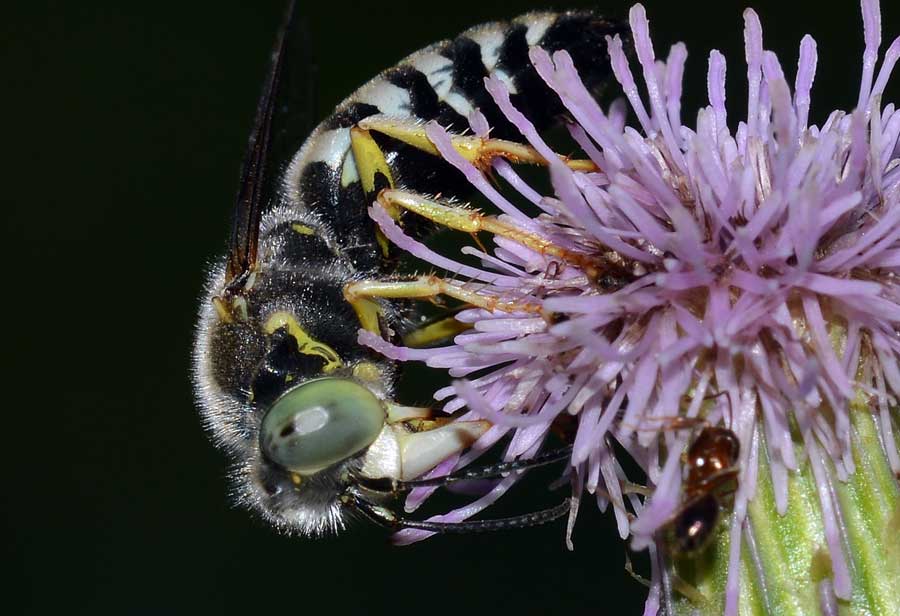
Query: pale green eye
[{"x": 320, "y": 423}]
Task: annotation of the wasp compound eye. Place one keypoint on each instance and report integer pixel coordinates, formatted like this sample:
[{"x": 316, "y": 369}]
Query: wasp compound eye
[{"x": 320, "y": 423}]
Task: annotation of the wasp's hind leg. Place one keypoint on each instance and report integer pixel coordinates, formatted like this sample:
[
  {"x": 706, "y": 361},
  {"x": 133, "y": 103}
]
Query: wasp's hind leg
[
  {"x": 468, "y": 220},
  {"x": 480, "y": 151},
  {"x": 373, "y": 171},
  {"x": 371, "y": 165}
]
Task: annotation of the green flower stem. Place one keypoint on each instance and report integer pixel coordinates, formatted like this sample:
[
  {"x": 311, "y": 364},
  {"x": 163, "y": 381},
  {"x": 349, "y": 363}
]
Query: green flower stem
[{"x": 785, "y": 561}]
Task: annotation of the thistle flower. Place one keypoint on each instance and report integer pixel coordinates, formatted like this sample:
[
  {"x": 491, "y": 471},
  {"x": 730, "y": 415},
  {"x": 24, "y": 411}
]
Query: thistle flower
[{"x": 744, "y": 277}]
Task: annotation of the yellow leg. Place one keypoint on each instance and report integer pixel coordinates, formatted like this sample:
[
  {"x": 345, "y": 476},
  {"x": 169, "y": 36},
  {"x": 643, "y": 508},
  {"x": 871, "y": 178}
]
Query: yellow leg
[
  {"x": 429, "y": 287},
  {"x": 472, "y": 221},
  {"x": 479, "y": 151},
  {"x": 435, "y": 332},
  {"x": 370, "y": 161},
  {"x": 367, "y": 311},
  {"x": 374, "y": 172}
]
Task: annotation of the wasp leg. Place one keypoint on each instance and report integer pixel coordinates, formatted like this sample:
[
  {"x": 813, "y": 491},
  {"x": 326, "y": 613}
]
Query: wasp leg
[
  {"x": 397, "y": 413},
  {"x": 479, "y": 151},
  {"x": 435, "y": 332},
  {"x": 371, "y": 165},
  {"x": 374, "y": 173},
  {"x": 361, "y": 296},
  {"x": 460, "y": 218},
  {"x": 535, "y": 518},
  {"x": 490, "y": 470},
  {"x": 387, "y": 518},
  {"x": 370, "y": 161},
  {"x": 387, "y": 485}
]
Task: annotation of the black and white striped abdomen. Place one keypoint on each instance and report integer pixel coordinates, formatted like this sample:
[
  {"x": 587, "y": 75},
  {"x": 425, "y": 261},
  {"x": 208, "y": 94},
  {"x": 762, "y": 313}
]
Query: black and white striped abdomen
[{"x": 442, "y": 82}]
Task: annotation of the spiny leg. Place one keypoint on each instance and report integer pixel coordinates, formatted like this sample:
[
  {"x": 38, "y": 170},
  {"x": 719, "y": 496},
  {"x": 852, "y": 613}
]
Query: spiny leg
[
  {"x": 465, "y": 219},
  {"x": 394, "y": 486},
  {"x": 361, "y": 295},
  {"x": 480, "y": 151},
  {"x": 375, "y": 175},
  {"x": 387, "y": 518}
]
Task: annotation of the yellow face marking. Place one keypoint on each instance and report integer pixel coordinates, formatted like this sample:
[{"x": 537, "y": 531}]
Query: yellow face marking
[
  {"x": 308, "y": 345},
  {"x": 367, "y": 371},
  {"x": 296, "y": 479},
  {"x": 303, "y": 229}
]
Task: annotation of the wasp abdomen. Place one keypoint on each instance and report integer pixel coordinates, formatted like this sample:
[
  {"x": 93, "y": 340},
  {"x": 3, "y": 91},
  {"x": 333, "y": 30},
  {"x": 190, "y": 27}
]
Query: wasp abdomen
[{"x": 443, "y": 82}]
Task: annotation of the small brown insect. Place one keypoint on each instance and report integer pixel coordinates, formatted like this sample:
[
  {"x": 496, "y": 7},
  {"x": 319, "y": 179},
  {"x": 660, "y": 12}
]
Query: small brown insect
[
  {"x": 711, "y": 464},
  {"x": 711, "y": 459}
]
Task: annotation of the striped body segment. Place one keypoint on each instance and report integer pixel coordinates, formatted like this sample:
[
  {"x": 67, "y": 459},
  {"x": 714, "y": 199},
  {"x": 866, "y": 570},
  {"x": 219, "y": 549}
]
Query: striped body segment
[
  {"x": 443, "y": 82},
  {"x": 287, "y": 322}
]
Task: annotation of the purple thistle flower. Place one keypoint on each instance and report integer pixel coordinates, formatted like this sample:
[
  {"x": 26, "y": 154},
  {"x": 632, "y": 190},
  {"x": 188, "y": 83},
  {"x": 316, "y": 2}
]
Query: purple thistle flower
[{"x": 746, "y": 277}]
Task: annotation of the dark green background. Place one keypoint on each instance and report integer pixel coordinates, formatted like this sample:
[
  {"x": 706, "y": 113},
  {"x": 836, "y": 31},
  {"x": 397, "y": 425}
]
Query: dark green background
[{"x": 123, "y": 126}]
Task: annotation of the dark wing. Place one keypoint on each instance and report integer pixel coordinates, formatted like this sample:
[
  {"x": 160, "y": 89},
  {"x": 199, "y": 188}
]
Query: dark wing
[{"x": 283, "y": 120}]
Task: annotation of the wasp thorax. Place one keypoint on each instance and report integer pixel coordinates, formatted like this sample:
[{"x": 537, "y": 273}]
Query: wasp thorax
[{"x": 320, "y": 423}]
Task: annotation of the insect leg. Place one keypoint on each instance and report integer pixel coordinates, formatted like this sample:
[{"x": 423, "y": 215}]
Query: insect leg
[
  {"x": 479, "y": 151},
  {"x": 394, "y": 486},
  {"x": 535, "y": 518},
  {"x": 374, "y": 172},
  {"x": 389, "y": 519},
  {"x": 490, "y": 470},
  {"x": 460, "y": 218},
  {"x": 361, "y": 296},
  {"x": 434, "y": 332}
]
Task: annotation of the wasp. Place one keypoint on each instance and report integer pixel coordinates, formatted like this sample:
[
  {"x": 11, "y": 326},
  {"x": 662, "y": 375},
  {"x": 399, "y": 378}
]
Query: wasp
[{"x": 307, "y": 416}]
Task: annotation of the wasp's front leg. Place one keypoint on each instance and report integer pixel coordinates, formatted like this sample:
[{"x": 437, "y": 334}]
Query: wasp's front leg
[{"x": 363, "y": 296}]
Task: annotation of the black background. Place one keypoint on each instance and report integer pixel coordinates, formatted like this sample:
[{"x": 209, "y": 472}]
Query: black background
[{"x": 122, "y": 129}]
